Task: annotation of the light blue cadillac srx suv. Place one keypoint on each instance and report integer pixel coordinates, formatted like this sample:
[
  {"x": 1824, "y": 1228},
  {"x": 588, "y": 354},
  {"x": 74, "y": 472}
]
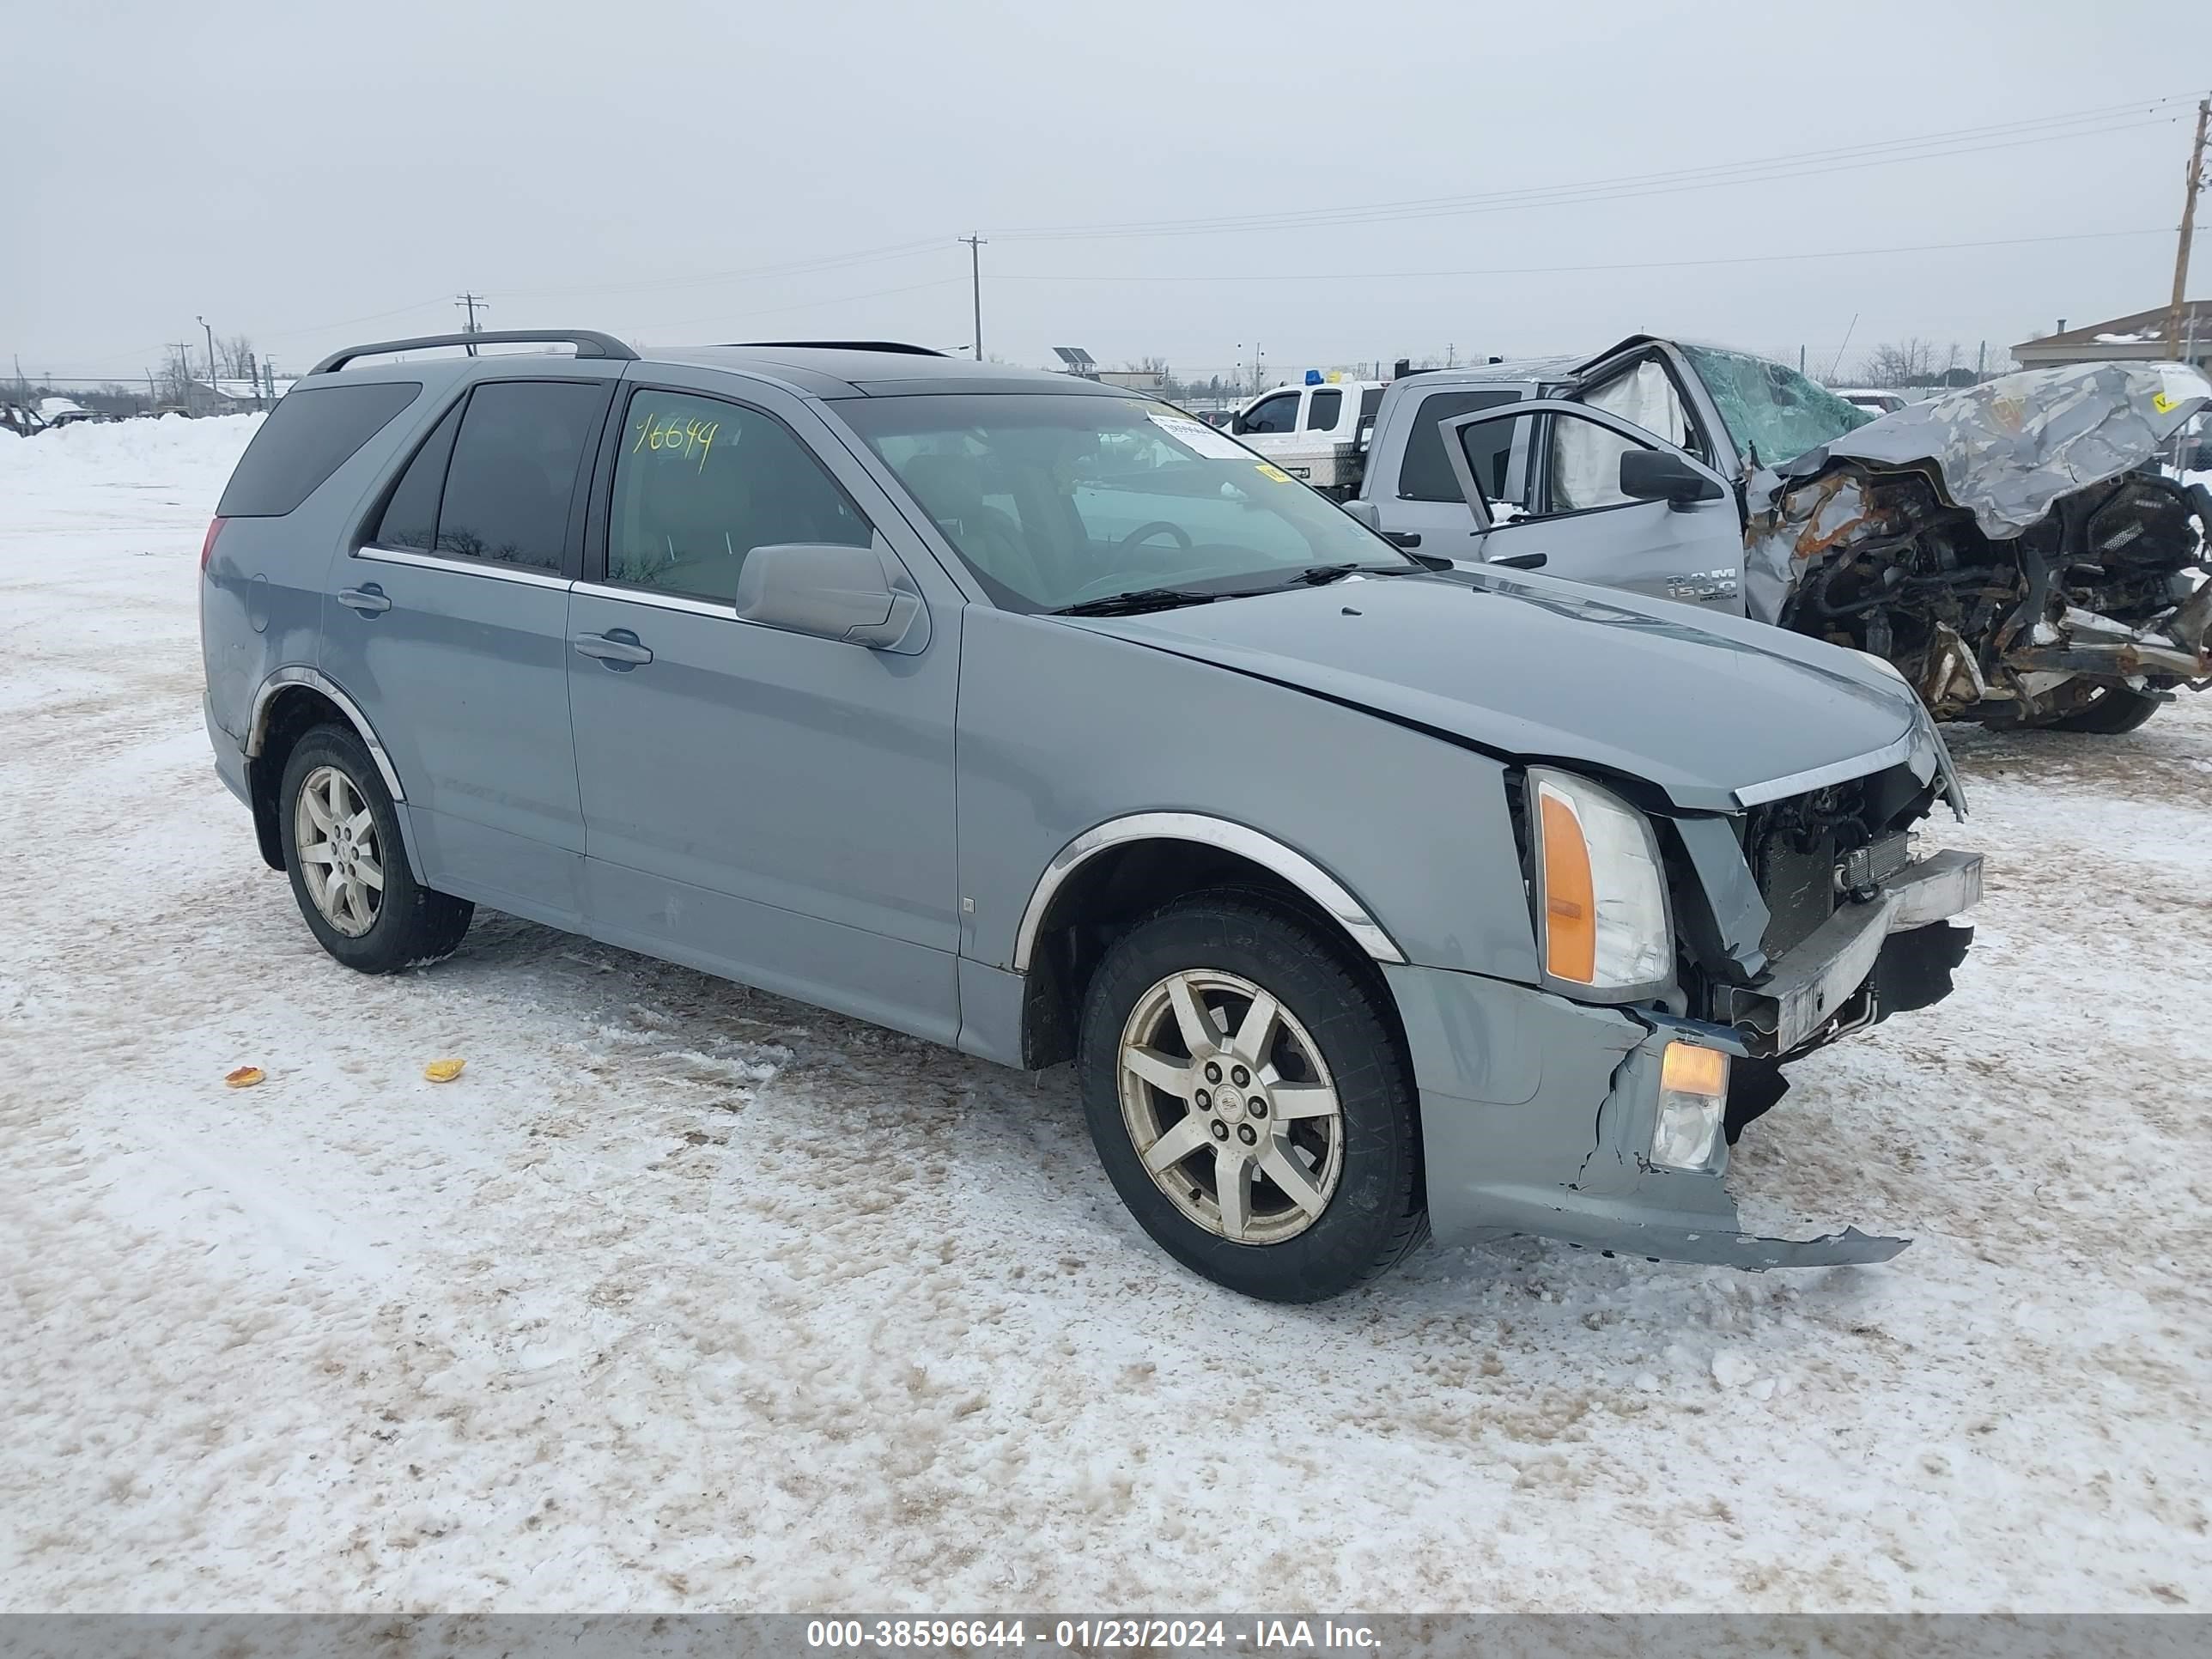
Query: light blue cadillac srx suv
[{"x": 1370, "y": 898}]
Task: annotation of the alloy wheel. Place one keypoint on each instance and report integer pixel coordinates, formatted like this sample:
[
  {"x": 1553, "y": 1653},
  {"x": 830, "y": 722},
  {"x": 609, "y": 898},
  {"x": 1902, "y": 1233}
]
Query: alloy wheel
[
  {"x": 334, "y": 834},
  {"x": 1231, "y": 1107}
]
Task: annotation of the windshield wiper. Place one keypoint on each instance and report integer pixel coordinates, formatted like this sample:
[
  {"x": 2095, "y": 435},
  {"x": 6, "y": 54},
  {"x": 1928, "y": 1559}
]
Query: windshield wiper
[
  {"x": 1136, "y": 600},
  {"x": 1319, "y": 575}
]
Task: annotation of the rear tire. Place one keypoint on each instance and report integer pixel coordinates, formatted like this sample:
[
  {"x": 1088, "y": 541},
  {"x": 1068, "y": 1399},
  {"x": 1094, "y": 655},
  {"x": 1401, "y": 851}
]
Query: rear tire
[
  {"x": 2117, "y": 709},
  {"x": 1288, "y": 1146},
  {"x": 349, "y": 866}
]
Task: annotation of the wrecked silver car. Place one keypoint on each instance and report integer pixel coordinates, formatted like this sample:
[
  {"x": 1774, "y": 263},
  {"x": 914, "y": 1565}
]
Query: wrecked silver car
[{"x": 2012, "y": 547}]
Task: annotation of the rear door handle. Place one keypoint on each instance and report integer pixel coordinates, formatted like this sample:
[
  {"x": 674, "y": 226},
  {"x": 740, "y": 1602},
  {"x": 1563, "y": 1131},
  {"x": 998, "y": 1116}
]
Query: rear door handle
[
  {"x": 370, "y": 600},
  {"x": 619, "y": 649}
]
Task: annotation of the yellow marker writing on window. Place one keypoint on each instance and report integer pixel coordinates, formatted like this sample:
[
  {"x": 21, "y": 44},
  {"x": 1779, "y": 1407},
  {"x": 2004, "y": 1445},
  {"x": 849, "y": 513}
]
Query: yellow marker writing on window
[{"x": 671, "y": 433}]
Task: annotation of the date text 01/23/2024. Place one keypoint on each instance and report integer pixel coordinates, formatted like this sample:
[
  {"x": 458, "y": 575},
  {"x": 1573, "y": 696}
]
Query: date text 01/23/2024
[{"x": 1145, "y": 1634}]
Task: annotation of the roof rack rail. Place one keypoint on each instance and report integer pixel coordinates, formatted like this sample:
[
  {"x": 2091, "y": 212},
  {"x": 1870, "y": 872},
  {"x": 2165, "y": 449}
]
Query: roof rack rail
[
  {"x": 588, "y": 342},
  {"x": 899, "y": 346}
]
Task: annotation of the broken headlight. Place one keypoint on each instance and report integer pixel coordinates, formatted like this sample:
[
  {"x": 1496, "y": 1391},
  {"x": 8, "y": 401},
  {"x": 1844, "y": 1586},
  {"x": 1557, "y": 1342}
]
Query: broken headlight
[{"x": 1601, "y": 919}]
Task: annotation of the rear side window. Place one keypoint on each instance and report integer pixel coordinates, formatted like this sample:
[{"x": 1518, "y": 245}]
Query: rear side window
[
  {"x": 514, "y": 471},
  {"x": 410, "y": 517},
  {"x": 1426, "y": 475},
  {"x": 1321, "y": 410},
  {"x": 311, "y": 434}
]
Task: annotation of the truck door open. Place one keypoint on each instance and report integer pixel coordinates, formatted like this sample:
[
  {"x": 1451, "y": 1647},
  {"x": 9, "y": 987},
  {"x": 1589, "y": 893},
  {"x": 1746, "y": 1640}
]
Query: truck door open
[{"x": 1640, "y": 513}]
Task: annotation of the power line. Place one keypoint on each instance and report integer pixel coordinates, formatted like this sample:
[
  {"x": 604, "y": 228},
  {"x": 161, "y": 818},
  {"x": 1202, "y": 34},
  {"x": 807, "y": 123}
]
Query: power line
[
  {"x": 791, "y": 268},
  {"x": 720, "y": 317},
  {"x": 1550, "y": 271},
  {"x": 1964, "y": 141}
]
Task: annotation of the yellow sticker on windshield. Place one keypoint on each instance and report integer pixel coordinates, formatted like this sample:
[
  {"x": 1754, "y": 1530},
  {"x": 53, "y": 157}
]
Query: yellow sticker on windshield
[
  {"x": 1266, "y": 470},
  {"x": 2163, "y": 404}
]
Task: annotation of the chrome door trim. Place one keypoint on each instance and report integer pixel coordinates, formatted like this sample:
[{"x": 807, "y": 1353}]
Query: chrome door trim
[
  {"x": 314, "y": 679},
  {"x": 1294, "y": 866},
  {"x": 658, "y": 601},
  {"x": 464, "y": 567}
]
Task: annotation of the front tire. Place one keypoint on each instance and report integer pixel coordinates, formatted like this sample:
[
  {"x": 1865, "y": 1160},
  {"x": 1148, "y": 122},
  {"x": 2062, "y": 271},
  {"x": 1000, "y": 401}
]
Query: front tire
[
  {"x": 349, "y": 866},
  {"x": 2118, "y": 708},
  {"x": 1250, "y": 1098}
]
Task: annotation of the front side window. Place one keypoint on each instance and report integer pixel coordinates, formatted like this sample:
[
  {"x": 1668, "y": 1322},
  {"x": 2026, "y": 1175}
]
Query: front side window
[
  {"x": 1277, "y": 414},
  {"x": 1774, "y": 414},
  {"x": 1321, "y": 410},
  {"x": 1585, "y": 469},
  {"x": 699, "y": 483},
  {"x": 1054, "y": 500},
  {"x": 514, "y": 471}
]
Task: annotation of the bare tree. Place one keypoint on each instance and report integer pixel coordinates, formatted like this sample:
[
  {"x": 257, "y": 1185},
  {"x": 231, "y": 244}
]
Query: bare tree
[
  {"x": 176, "y": 379},
  {"x": 1915, "y": 362},
  {"x": 237, "y": 355}
]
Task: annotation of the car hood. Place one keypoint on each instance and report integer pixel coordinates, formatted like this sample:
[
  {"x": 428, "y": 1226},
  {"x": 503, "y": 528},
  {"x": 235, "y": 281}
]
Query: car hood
[
  {"x": 2010, "y": 447},
  {"x": 1710, "y": 711}
]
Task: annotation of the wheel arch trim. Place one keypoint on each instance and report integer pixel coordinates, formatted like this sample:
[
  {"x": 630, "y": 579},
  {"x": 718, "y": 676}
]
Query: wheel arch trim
[
  {"x": 315, "y": 680},
  {"x": 1294, "y": 866}
]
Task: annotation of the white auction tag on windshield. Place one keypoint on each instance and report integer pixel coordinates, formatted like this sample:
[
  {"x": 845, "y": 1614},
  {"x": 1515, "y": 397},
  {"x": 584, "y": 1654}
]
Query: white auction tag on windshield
[{"x": 1196, "y": 435}]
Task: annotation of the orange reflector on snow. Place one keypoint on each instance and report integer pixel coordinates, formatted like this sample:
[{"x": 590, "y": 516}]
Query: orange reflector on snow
[
  {"x": 1570, "y": 897},
  {"x": 1689, "y": 1070}
]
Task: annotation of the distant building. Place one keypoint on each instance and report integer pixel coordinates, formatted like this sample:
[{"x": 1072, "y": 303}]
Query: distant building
[
  {"x": 239, "y": 396},
  {"x": 1133, "y": 380},
  {"x": 2137, "y": 338}
]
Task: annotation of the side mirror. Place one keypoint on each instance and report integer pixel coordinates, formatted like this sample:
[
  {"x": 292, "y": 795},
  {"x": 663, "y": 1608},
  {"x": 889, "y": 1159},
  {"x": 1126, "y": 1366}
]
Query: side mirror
[
  {"x": 1366, "y": 512},
  {"x": 854, "y": 594},
  {"x": 1660, "y": 475}
]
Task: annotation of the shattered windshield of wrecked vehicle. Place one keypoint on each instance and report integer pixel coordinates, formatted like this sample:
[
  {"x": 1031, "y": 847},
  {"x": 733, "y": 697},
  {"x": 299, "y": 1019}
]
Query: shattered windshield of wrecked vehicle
[{"x": 1774, "y": 414}]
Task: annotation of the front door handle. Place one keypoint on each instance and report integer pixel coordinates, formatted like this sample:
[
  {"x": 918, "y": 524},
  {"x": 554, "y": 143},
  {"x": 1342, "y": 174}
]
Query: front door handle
[
  {"x": 370, "y": 600},
  {"x": 619, "y": 649},
  {"x": 1524, "y": 560}
]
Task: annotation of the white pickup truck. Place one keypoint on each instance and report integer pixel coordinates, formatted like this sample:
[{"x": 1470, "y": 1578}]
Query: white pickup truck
[{"x": 1316, "y": 432}]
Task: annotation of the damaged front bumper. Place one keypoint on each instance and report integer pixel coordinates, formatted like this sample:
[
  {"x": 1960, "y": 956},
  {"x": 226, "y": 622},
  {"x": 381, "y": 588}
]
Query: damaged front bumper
[
  {"x": 1538, "y": 1114},
  {"x": 1821, "y": 979}
]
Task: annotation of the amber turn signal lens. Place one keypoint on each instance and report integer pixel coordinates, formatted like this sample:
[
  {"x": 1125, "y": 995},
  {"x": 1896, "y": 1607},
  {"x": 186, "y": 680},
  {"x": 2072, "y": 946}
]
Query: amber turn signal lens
[
  {"x": 1689, "y": 1070},
  {"x": 1570, "y": 896}
]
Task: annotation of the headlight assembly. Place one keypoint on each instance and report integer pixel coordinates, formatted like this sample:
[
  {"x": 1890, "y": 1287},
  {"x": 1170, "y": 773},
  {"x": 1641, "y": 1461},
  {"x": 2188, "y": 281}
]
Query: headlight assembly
[{"x": 1601, "y": 896}]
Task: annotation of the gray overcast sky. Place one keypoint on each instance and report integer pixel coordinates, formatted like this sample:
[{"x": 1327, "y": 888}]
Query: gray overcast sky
[{"x": 311, "y": 175}]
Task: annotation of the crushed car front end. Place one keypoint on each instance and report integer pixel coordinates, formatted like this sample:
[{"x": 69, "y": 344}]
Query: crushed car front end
[{"x": 2013, "y": 547}]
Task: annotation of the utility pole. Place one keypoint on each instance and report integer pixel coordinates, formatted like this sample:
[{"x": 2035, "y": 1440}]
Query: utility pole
[
  {"x": 975, "y": 246},
  {"x": 2188, "y": 230},
  {"x": 183, "y": 350},
  {"x": 212, "y": 370},
  {"x": 471, "y": 301}
]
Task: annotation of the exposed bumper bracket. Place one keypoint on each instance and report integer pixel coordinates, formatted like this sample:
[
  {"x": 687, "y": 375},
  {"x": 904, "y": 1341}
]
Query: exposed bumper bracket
[{"x": 1802, "y": 992}]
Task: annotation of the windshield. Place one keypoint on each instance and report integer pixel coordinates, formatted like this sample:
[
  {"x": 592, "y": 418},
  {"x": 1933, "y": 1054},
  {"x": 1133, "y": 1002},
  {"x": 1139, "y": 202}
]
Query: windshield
[
  {"x": 1055, "y": 499},
  {"x": 1774, "y": 414}
]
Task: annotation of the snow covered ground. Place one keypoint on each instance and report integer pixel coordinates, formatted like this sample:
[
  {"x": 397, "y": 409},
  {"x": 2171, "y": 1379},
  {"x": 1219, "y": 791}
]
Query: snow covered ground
[{"x": 687, "y": 1298}]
